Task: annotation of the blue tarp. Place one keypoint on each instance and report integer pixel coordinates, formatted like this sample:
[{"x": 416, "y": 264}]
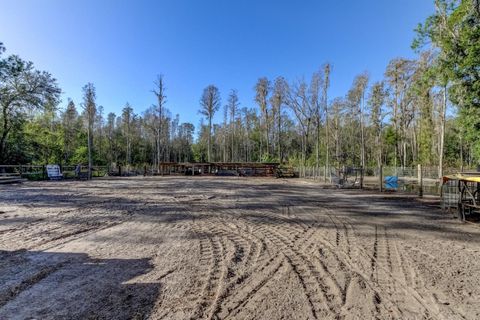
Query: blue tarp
[{"x": 391, "y": 182}]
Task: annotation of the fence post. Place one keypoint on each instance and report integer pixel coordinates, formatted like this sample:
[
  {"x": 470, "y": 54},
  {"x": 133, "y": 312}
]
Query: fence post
[
  {"x": 361, "y": 177},
  {"x": 380, "y": 178},
  {"x": 420, "y": 181}
]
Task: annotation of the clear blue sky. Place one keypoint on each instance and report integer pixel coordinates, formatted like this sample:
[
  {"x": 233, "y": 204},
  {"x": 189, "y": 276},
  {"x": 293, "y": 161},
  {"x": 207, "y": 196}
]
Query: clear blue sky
[{"x": 121, "y": 46}]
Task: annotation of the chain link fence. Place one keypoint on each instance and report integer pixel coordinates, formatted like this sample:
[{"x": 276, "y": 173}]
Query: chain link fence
[{"x": 393, "y": 178}]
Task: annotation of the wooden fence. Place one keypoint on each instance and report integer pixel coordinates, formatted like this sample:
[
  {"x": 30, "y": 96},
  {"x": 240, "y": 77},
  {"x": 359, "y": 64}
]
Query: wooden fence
[{"x": 39, "y": 172}]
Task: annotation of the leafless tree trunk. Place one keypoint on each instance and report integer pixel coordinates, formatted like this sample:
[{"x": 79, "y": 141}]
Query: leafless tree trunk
[
  {"x": 161, "y": 100},
  {"x": 225, "y": 133},
  {"x": 326, "y": 84},
  {"x": 300, "y": 103},
  {"x": 210, "y": 103},
  {"x": 233, "y": 106},
  {"x": 442, "y": 132},
  {"x": 262, "y": 89},
  {"x": 277, "y": 100}
]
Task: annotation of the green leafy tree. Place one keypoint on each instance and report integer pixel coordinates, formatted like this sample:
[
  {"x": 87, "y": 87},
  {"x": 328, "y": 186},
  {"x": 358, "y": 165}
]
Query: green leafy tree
[
  {"x": 127, "y": 124},
  {"x": 454, "y": 30},
  {"x": 90, "y": 107},
  {"x": 22, "y": 89},
  {"x": 71, "y": 127}
]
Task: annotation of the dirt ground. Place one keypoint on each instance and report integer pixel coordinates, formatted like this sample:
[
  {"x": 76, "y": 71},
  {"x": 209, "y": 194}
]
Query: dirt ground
[{"x": 230, "y": 248}]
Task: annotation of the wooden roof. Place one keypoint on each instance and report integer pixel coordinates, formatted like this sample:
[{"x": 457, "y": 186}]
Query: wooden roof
[{"x": 240, "y": 164}]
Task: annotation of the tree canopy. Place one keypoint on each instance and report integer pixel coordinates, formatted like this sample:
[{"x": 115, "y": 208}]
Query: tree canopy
[{"x": 425, "y": 110}]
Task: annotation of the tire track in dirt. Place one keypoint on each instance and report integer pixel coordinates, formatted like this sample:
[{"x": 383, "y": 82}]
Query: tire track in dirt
[
  {"x": 72, "y": 236},
  {"x": 326, "y": 257},
  {"x": 211, "y": 253},
  {"x": 255, "y": 263},
  {"x": 240, "y": 270},
  {"x": 412, "y": 279},
  {"x": 351, "y": 267},
  {"x": 66, "y": 237},
  {"x": 228, "y": 250},
  {"x": 11, "y": 293},
  {"x": 334, "y": 293},
  {"x": 246, "y": 290},
  {"x": 238, "y": 266},
  {"x": 392, "y": 274},
  {"x": 250, "y": 246},
  {"x": 320, "y": 301},
  {"x": 303, "y": 249},
  {"x": 289, "y": 229},
  {"x": 379, "y": 265}
]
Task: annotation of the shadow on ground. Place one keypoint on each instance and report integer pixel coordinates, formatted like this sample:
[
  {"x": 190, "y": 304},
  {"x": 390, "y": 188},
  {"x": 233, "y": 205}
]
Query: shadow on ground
[{"x": 48, "y": 285}]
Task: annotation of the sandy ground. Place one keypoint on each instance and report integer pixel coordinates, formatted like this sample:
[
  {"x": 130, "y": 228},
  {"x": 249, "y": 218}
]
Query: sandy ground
[{"x": 230, "y": 248}]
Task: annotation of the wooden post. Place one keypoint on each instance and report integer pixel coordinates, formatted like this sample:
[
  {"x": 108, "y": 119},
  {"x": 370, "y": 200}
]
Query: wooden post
[
  {"x": 478, "y": 186},
  {"x": 361, "y": 177},
  {"x": 461, "y": 194},
  {"x": 420, "y": 181},
  {"x": 380, "y": 178}
]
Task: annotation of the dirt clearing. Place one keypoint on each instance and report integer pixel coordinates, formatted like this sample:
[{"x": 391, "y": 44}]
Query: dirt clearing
[{"x": 230, "y": 248}]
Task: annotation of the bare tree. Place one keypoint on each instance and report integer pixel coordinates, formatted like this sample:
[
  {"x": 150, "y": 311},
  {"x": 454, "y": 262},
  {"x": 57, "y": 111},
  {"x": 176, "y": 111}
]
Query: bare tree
[
  {"x": 398, "y": 76},
  {"x": 262, "y": 89},
  {"x": 443, "y": 118},
  {"x": 356, "y": 97},
  {"x": 299, "y": 102},
  {"x": 326, "y": 85},
  {"x": 338, "y": 107},
  {"x": 376, "y": 101},
  {"x": 225, "y": 133},
  {"x": 313, "y": 103},
  {"x": 277, "y": 100},
  {"x": 210, "y": 103},
  {"x": 159, "y": 92},
  {"x": 233, "y": 106}
]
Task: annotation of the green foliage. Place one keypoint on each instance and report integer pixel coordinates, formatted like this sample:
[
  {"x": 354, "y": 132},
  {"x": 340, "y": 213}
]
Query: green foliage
[
  {"x": 455, "y": 30},
  {"x": 391, "y": 138},
  {"x": 80, "y": 155},
  {"x": 199, "y": 151},
  {"x": 395, "y": 121},
  {"x": 268, "y": 158},
  {"x": 454, "y": 146},
  {"x": 23, "y": 89}
]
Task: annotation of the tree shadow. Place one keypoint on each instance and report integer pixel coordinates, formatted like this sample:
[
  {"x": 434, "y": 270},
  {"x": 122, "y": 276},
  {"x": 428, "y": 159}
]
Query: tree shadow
[{"x": 53, "y": 285}]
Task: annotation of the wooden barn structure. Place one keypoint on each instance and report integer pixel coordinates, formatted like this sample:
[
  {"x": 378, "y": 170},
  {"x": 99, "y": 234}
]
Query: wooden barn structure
[{"x": 248, "y": 169}]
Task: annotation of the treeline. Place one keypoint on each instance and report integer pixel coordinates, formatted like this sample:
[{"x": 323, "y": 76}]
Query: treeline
[
  {"x": 42, "y": 133},
  {"x": 424, "y": 111}
]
